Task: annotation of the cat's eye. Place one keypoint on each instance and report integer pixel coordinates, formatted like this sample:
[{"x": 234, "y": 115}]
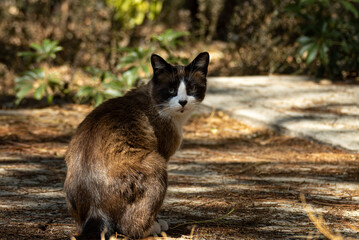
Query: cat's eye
[{"x": 171, "y": 90}]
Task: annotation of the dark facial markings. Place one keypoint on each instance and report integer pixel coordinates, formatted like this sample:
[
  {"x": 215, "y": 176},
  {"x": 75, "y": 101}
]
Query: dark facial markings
[
  {"x": 190, "y": 87},
  {"x": 171, "y": 91},
  {"x": 167, "y": 83},
  {"x": 195, "y": 84},
  {"x": 168, "y": 92},
  {"x": 165, "y": 88}
]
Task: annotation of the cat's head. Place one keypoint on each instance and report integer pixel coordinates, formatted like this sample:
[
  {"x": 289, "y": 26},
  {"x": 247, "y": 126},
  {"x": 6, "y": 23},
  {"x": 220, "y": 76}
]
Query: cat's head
[{"x": 177, "y": 90}]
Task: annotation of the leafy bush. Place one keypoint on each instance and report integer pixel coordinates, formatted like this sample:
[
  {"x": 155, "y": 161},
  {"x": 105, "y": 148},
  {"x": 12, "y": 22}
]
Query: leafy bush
[
  {"x": 329, "y": 36},
  {"x": 45, "y": 51},
  {"x": 36, "y": 80},
  {"x": 105, "y": 85},
  {"x": 108, "y": 85},
  {"x": 135, "y": 60},
  {"x": 169, "y": 41},
  {"x": 130, "y": 13},
  {"x": 134, "y": 64}
]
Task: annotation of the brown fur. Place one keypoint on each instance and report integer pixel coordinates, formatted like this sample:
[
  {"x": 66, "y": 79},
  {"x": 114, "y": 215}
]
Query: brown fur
[{"x": 117, "y": 160}]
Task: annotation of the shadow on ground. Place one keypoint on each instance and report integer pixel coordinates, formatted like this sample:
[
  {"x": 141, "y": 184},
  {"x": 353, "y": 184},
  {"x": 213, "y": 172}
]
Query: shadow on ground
[{"x": 223, "y": 165}]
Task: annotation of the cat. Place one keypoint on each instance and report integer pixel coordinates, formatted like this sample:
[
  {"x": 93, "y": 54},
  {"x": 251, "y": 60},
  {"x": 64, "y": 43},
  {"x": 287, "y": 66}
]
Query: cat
[{"x": 117, "y": 159}]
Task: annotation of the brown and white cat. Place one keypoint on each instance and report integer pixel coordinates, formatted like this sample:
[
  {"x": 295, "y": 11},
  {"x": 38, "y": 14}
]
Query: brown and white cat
[{"x": 117, "y": 159}]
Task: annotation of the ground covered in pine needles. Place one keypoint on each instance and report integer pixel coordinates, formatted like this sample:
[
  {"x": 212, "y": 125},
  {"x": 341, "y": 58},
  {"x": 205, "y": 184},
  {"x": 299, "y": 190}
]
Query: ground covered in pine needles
[{"x": 228, "y": 181}]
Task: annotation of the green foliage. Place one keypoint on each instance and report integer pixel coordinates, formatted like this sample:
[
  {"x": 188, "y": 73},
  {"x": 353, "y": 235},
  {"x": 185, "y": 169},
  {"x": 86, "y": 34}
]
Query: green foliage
[
  {"x": 37, "y": 82},
  {"x": 130, "y": 13},
  {"x": 169, "y": 41},
  {"x": 328, "y": 35},
  {"x": 134, "y": 63},
  {"x": 105, "y": 85},
  {"x": 170, "y": 38},
  {"x": 136, "y": 60},
  {"x": 45, "y": 51}
]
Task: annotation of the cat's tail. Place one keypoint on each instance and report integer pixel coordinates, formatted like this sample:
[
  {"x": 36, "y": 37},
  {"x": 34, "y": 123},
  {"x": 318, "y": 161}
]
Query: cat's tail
[{"x": 94, "y": 228}]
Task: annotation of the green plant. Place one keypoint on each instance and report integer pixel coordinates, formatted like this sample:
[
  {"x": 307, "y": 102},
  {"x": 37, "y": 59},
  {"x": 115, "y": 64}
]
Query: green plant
[
  {"x": 105, "y": 85},
  {"x": 36, "y": 80},
  {"x": 169, "y": 41},
  {"x": 135, "y": 60},
  {"x": 134, "y": 64},
  {"x": 45, "y": 51},
  {"x": 129, "y": 13},
  {"x": 39, "y": 83},
  {"x": 328, "y": 35}
]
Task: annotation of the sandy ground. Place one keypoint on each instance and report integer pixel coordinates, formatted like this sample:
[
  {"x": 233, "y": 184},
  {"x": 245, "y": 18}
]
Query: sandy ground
[{"x": 228, "y": 181}]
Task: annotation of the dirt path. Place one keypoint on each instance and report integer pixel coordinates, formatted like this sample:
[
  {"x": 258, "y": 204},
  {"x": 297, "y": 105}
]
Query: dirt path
[
  {"x": 295, "y": 105},
  {"x": 223, "y": 165}
]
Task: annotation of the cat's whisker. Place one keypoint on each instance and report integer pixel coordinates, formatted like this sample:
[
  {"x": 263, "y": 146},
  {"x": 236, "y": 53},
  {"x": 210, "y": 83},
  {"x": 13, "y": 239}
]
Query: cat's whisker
[{"x": 165, "y": 112}]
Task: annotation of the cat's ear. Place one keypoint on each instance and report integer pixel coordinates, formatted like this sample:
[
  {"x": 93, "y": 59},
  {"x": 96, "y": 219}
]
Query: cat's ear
[
  {"x": 159, "y": 64},
  {"x": 200, "y": 63}
]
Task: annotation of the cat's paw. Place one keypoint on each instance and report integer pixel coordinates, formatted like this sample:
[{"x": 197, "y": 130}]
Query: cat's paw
[
  {"x": 163, "y": 224},
  {"x": 158, "y": 227},
  {"x": 155, "y": 229}
]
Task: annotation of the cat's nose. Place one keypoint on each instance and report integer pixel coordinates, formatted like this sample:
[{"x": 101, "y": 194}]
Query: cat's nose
[{"x": 182, "y": 102}]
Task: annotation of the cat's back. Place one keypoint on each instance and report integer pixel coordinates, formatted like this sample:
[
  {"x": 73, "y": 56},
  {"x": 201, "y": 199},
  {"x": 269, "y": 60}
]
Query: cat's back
[
  {"x": 115, "y": 127},
  {"x": 122, "y": 109}
]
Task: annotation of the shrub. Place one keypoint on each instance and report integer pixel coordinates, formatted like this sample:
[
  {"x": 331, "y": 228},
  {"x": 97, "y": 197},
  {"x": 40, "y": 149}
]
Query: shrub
[
  {"x": 328, "y": 36},
  {"x": 39, "y": 83},
  {"x": 134, "y": 61},
  {"x": 45, "y": 51},
  {"x": 36, "y": 80},
  {"x": 129, "y": 13},
  {"x": 105, "y": 85},
  {"x": 169, "y": 41},
  {"x": 133, "y": 66}
]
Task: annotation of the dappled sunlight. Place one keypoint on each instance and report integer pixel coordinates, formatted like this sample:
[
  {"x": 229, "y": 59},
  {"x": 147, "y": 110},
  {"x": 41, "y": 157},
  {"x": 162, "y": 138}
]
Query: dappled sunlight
[
  {"x": 271, "y": 153},
  {"x": 222, "y": 165}
]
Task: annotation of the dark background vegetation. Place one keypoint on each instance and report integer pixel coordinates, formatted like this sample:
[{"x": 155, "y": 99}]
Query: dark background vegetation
[{"x": 319, "y": 38}]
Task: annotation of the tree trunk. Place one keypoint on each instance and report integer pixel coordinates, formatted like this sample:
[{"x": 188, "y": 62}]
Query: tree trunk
[
  {"x": 193, "y": 7},
  {"x": 224, "y": 20}
]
